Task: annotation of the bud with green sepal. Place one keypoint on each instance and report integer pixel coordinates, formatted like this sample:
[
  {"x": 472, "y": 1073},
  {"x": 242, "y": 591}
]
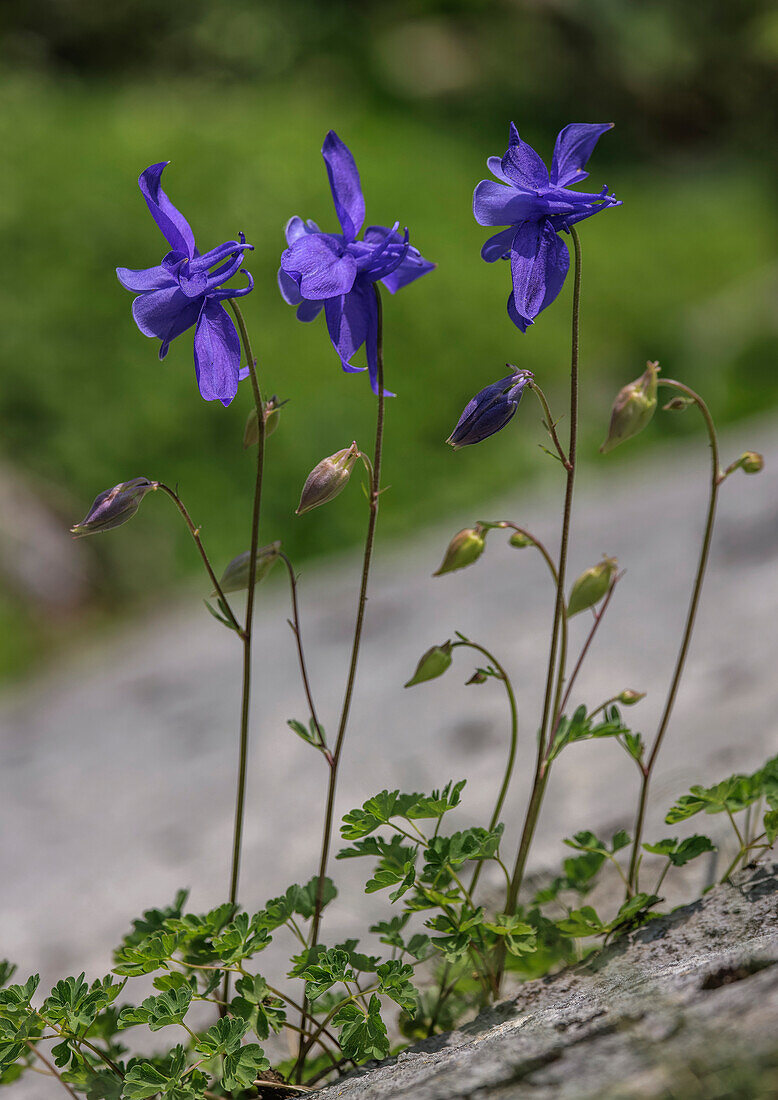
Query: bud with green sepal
[
  {"x": 591, "y": 586},
  {"x": 520, "y": 540},
  {"x": 750, "y": 462},
  {"x": 272, "y": 418},
  {"x": 433, "y": 664},
  {"x": 628, "y": 697},
  {"x": 114, "y": 507},
  {"x": 236, "y": 576},
  {"x": 465, "y": 548},
  {"x": 328, "y": 478},
  {"x": 678, "y": 404},
  {"x": 633, "y": 408}
]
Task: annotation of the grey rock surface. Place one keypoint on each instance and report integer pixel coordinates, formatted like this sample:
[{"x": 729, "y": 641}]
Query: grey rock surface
[
  {"x": 700, "y": 985},
  {"x": 117, "y": 768}
]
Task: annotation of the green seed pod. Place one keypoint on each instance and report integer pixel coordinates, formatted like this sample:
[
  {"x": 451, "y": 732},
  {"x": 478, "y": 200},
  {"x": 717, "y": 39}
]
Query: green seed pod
[
  {"x": 628, "y": 697},
  {"x": 327, "y": 479},
  {"x": 433, "y": 664},
  {"x": 520, "y": 541},
  {"x": 272, "y": 418},
  {"x": 465, "y": 548},
  {"x": 751, "y": 462},
  {"x": 236, "y": 576},
  {"x": 633, "y": 408},
  {"x": 591, "y": 586}
]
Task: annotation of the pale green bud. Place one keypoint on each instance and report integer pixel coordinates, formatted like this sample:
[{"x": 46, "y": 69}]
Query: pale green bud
[
  {"x": 327, "y": 479},
  {"x": 272, "y": 418},
  {"x": 520, "y": 541},
  {"x": 751, "y": 462},
  {"x": 236, "y": 576},
  {"x": 433, "y": 664},
  {"x": 628, "y": 697},
  {"x": 678, "y": 404},
  {"x": 591, "y": 586},
  {"x": 633, "y": 408},
  {"x": 465, "y": 548}
]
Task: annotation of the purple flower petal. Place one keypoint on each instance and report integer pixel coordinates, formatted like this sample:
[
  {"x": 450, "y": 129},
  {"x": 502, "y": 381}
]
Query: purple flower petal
[
  {"x": 496, "y": 204},
  {"x": 494, "y": 164},
  {"x": 498, "y": 246},
  {"x": 233, "y": 292},
  {"x": 412, "y": 267},
  {"x": 539, "y": 265},
  {"x": 522, "y": 165},
  {"x": 320, "y": 266},
  {"x": 309, "y": 311},
  {"x": 290, "y": 291},
  {"x": 216, "y": 354},
  {"x": 152, "y": 278},
  {"x": 348, "y": 320},
  {"x": 175, "y": 228},
  {"x": 296, "y": 227},
  {"x": 165, "y": 314},
  {"x": 574, "y": 146},
  {"x": 345, "y": 185}
]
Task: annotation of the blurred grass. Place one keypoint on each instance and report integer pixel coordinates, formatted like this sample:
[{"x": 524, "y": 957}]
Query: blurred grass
[{"x": 683, "y": 272}]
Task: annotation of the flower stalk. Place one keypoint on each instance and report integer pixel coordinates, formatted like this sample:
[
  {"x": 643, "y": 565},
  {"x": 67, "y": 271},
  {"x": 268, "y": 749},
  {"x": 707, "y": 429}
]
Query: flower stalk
[{"x": 647, "y": 769}]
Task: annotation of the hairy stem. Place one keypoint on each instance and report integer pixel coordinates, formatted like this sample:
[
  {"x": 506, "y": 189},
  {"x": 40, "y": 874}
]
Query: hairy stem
[
  {"x": 716, "y": 477},
  {"x": 375, "y": 490},
  {"x": 195, "y": 533},
  {"x": 557, "y": 629},
  {"x": 240, "y": 799}
]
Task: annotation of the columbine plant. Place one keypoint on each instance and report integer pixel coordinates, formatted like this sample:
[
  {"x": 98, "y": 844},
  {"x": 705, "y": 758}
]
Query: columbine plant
[{"x": 445, "y": 945}]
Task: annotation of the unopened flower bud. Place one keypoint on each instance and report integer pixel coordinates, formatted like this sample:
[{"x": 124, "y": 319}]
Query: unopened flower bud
[
  {"x": 678, "y": 404},
  {"x": 591, "y": 586},
  {"x": 114, "y": 507},
  {"x": 236, "y": 576},
  {"x": 272, "y": 418},
  {"x": 633, "y": 408},
  {"x": 433, "y": 664},
  {"x": 329, "y": 478},
  {"x": 520, "y": 540},
  {"x": 478, "y": 677},
  {"x": 628, "y": 697},
  {"x": 465, "y": 548},
  {"x": 751, "y": 462},
  {"x": 491, "y": 409}
]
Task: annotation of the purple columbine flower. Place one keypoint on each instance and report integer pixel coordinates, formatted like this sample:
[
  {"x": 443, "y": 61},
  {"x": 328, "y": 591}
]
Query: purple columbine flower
[
  {"x": 188, "y": 289},
  {"x": 337, "y": 271},
  {"x": 490, "y": 410},
  {"x": 536, "y": 205}
]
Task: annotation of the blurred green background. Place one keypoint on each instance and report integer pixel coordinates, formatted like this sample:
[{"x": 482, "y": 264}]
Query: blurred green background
[{"x": 239, "y": 95}]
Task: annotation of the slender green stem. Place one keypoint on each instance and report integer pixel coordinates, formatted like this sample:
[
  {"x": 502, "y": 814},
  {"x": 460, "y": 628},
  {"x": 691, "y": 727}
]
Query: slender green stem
[
  {"x": 549, "y": 424},
  {"x": 716, "y": 477},
  {"x": 50, "y": 1067},
  {"x": 294, "y": 623},
  {"x": 195, "y": 533},
  {"x": 661, "y": 878},
  {"x": 535, "y": 542},
  {"x": 514, "y": 740},
  {"x": 561, "y": 704},
  {"x": 240, "y": 799},
  {"x": 375, "y": 491},
  {"x": 557, "y": 630}
]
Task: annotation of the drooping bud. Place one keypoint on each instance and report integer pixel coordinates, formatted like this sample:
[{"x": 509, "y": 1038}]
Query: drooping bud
[
  {"x": 520, "y": 540},
  {"x": 465, "y": 548},
  {"x": 751, "y": 462},
  {"x": 478, "y": 677},
  {"x": 490, "y": 409},
  {"x": 633, "y": 408},
  {"x": 327, "y": 479},
  {"x": 678, "y": 404},
  {"x": 272, "y": 419},
  {"x": 433, "y": 664},
  {"x": 628, "y": 697},
  {"x": 591, "y": 586},
  {"x": 114, "y": 507},
  {"x": 236, "y": 576}
]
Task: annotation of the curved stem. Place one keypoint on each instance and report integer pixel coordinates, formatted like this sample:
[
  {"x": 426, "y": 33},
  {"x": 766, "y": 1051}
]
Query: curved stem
[
  {"x": 716, "y": 478},
  {"x": 375, "y": 490},
  {"x": 549, "y": 424},
  {"x": 557, "y": 629},
  {"x": 535, "y": 542},
  {"x": 50, "y": 1067},
  {"x": 295, "y": 625},
  {"x": 514, "y": 740},
  {"x": 240, "y": 798},
  {"x": 195, "y": 533}
]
